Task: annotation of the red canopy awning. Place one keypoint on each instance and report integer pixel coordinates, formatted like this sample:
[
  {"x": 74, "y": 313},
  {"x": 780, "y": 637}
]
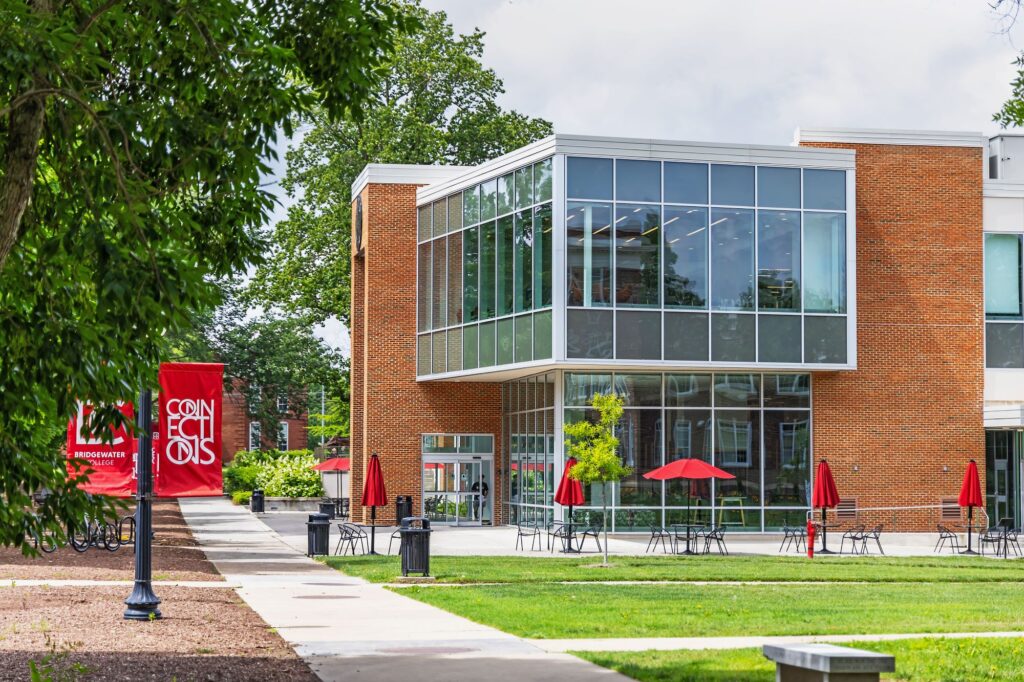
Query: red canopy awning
[
  {"x": 374, "y": 494},
  {"x": 334, "y": 464},
  {"x": 687, "y": 468},
  {"x": 825, "y": 495},
  {"x": 970, "y": 490},
  {"x": 570, "y": 491}
]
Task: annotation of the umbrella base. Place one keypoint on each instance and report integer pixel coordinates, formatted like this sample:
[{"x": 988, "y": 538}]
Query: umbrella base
[
  {"x": 825, "y": 551},
  {"x": 688, "y": 552},
  {"x": 969, "y": 551}
]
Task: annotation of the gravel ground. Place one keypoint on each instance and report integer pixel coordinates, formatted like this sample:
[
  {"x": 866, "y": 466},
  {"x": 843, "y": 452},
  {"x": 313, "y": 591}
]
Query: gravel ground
[
  {"x": 175, "y": 556},
  {"x": 205, "y": 634}
]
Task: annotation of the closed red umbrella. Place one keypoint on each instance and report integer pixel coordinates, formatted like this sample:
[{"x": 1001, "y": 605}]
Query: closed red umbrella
[
  {"x": 374, "y": 494},
  {"x": 824, "y": 496},
  {"x": 690, "y": 469},
  {"x": 970, "y": 497},
  {"x": 569, "y": 493},
  {"x": 334, "y": 464}
]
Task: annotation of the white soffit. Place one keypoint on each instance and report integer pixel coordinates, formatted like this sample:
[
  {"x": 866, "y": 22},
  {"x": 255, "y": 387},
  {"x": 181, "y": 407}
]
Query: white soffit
[
  {"x": 1003, "y": 189},
  {"x": 921, "y": 138},
  {"x": 404, "y": 174}
]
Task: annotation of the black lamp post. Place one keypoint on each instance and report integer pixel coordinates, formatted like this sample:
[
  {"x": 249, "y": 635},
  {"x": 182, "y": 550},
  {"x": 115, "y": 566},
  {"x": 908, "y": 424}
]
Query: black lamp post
[{"x": 142, "y": 602}]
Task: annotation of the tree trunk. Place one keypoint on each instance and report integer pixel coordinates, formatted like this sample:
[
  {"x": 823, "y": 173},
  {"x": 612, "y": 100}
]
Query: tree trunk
[{"x": 604, "y": 522}]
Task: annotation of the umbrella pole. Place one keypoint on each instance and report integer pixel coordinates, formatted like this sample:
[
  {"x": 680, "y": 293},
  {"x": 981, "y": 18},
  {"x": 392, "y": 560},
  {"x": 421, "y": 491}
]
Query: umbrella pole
[
  {"x": 373, "y": 528},
  {"x": 824, "y": 534},
  {"x": 970, "y": 526}
]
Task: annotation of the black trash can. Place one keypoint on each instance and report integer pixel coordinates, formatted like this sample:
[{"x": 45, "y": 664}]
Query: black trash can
[
  {"x": 318, "y": 531},
  {"x": 257, "y": 502},
  {"x": 415, "y": 533},
  {"x": 328, "y": 507},
  {"x": 403, "y": 507}
]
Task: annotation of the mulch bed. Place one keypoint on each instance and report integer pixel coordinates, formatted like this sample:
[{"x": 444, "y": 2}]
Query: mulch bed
[
  {"x": 205, "y": 634},
  {"x": 175, "y": 556}
]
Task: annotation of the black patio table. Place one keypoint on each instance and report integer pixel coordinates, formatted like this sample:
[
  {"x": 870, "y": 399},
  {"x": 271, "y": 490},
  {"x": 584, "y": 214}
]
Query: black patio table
[{"x": 690, "y": 535}]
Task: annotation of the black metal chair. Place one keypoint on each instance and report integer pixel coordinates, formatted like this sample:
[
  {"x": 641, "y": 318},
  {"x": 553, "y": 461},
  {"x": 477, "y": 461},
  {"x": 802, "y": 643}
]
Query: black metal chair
[
  {"x": 994, "y": 535},
  {"x": 855, "y": 535},
  {"x": 874, "y": 534},
  {"x": 1013, "y": 540},
  {"x": 946, "y": 535},
  {"x": 659, "y": 534},
  {"x": 563, "y": 533},
  {"x": 356, "y": 536},
  {"x": 793, "y": 536},
  {"x": 396, "y": 534},
  {"x": 532, "y": 532},
  {"x": 714, "y": 534},
  {"x": 345, "y": 541},
  {"x": 590, "y": 532}
]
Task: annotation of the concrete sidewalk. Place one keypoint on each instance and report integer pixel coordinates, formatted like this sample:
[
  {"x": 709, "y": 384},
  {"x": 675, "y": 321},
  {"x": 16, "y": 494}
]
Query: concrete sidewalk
[{"x": 346, "y": 628}]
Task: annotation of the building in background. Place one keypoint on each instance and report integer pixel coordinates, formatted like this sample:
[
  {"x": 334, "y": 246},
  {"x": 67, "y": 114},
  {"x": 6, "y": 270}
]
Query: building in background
[
  {"x": 241, "y": 430},
  {"x": 854, "y": 297}
]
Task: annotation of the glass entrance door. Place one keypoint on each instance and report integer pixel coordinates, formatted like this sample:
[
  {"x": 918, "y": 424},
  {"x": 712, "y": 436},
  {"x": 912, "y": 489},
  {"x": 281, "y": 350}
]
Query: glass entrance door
[
  {"x": 1003, "y": 476},
  {"x": 457, "y": 490}
]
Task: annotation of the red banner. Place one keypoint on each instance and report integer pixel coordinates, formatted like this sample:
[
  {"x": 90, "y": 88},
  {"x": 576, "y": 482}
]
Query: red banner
[
  {"x": 111, "y": 466},
  {"x": 188, "y": 460}
]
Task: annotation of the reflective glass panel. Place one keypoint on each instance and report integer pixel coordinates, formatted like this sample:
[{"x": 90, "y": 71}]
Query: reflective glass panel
[
  {"x": 542, "y": 174},
  {"x": 638, "y": 335},
  {"x": 688, "y": 436},
  {"x": 787, "y": 458},
  {"x": 686, "y": 257},
  {"x": 824, "y": 266},
  {"x": 688, "y": 390},
  {"x": 471, "y": 206},
  {"x": 825, "y": 189},
  {"x": 455, "y": 212},
  {"x": 732, "y": 185},
  {"x": 581, "y": 388},
  {"x": 542, "y": 241},
  {"x": 423, "y": 228},
  {"x": 732, "y": 337},
  {"x": 588, "y": 252},
  {"x": 487, "y": 341},
  {"x": 440, "y": 354},
  {"x": 423, "y": 280},
  {"x": 787, "y": 390},
  {"x": 487, "y": 264},
  {"x": 732, "y": 259},
  {"x": 439, "y": 292},
  {"x": 737, "y": 390},
  {"x": 639, "y": 390},
  {"x": 506, "y": 193},
  {"x": 524, "y": 187},
  {"x": 454, "y": 349},
  {"x": 778, "y": 260},
  {"x": 440, "y": 217},
  {"x": 489, "y": 200},
  {"x": 455, "y": 278},
  {"x": 504, "y": 274},
  {"x": 778, "y": 338},
  {"x": 542, "y": 335},
  {"x": 637, "y": 233},
  {"x": 523, "y": 293},
  {"x": 1003, "y": 278},
  {"x": 588, "y": 178},
  {"x": 639, "y": 434},
  {"x": 423, "y": 354},
  {"x": 824, "y": 339},
  {"x": 524, "y": 338},
  {"x": 1004, "y": 344},
  {"x": 737, "y": 451},
  {"x": 686, "y": 336},
  {"x": 471, "y": 273},
  {"x": 778, "y": 187},
  {"x": 686, "y": 183},
  {"x": 506, "y": 342},
  {"x": 637, "y": 180},
  {"x": 589, "y": 333},
  {"x": 470, "y": 357}
]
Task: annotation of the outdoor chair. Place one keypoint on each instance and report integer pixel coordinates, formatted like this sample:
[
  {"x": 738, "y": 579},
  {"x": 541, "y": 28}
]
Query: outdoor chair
[
  {"x": 532, "y": 532},
  {"x": 659, "y": 534},
  {"x": 343, "y": 508},
  {"x": 1012, "y": 539},
  {"x": 345, "y": 541},
  {"x": 874, "y": 534},
  {"x": 590, "y": 532},
  {"x": 946, "y": 535},
  {"x": 396, "y": 534},
  {"x": 856, "y": 536},
  {"x": 714, "y": 534},
  {"x": 356, "y": 535},
  {"x": 793, "y": 536},
  {"x": 992, "y": 536},
  {"x": 560, "y": 533}
]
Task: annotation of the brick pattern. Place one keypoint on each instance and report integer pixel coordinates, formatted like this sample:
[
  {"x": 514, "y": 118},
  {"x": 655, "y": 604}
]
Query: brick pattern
[
  {"x": 235, "y": 428},
  {"x": 914, "y": 406},
  {"x": 390, "y": 409}
]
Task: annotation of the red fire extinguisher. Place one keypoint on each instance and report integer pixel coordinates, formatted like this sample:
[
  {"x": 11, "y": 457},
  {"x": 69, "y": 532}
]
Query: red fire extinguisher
[{"x": 811, "y": 530}]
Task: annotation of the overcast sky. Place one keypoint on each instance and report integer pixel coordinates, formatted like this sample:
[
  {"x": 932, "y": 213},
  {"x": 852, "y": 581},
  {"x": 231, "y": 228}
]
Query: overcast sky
[{"x": 749, "y": 72}]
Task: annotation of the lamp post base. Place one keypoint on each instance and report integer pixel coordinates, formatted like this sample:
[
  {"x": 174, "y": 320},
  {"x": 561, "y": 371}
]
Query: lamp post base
[{"x": 142, "y": 603}]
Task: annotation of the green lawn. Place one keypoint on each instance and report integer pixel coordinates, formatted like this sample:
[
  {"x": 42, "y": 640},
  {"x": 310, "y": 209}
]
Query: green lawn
[
  {"x": 917, "y": 660},
  {"x": 555, "y": 611},
  {"x": 478, "y": 569}
]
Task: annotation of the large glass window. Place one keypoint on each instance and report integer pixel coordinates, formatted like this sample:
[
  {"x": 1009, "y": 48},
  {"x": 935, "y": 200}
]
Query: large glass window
[
  {"x": 1003, "y": 277},
  {"x": 686, "y": 183},
  {"x": 523, "y": 294},
  {"x": 542, "y": 241},
  {"x": 778, "y": 260},
  {"x": 732, "y": 259},
  {"x": 455, "y": 278},
  {"x": 589, "y": 178},
  {"x": 1004, "y": 345},
  {"x": 439, "y": 293},
  {"x": 637, "y": 180},
  {"x": 471, "y": 273},
  {"x": 686, "y": 257},
  {"x": 825, "y": 189},
  {"x": 505, "y": 273},
  {"x": 732, "y": 185},
  {"x": 824, "y": 262},
  {"x": 423, "y": 279},
  {"x": 778, "y": 187},
  {"x": 487, "y": 264},
  {"x": 588, "y": 252},
  {"x": 637, "y": 234}
]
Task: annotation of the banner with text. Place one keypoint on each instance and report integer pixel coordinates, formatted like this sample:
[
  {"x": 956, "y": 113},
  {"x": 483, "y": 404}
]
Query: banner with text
[
  {"x": 110, "y": 466},
  {"x": 188, "y": 462}
]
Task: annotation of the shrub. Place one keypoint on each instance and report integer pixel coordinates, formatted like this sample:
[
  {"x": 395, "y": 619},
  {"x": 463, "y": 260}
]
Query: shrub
[
  {"x": 241, "y": 497},
  {"x": 291, "y": 476},
  {"x": 243, "y": 472}
]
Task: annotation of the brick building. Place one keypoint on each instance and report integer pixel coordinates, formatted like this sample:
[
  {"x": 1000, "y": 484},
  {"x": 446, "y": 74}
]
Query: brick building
[
  {"x": 854, "y": 297},
  {"x": 241, "y": 431}
]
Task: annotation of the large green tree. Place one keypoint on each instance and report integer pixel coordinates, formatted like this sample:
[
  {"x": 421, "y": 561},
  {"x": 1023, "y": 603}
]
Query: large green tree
[
  {"x": 133, "y": 138},
  {"x": 433, "y": 103}
]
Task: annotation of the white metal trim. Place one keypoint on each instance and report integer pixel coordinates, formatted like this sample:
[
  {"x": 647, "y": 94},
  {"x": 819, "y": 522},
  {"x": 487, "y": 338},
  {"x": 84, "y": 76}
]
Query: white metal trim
[
  {"x": 923, "y": 138},
  {"x": 403, "y": 174},
  {"x": 1003, "y": 189}
]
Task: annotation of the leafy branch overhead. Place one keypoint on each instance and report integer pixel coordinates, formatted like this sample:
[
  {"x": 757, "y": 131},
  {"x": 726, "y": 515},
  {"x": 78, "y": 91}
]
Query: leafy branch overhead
[
  {"x": 133, "y": 139},
  {"x": 433, "y": 103}
]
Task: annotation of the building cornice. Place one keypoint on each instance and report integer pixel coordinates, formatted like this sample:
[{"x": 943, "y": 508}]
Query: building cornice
[
  {"x": 921, "y": 138},
  {"x": 1003, "y": 189},
  {"x": 404, "y": 174}
]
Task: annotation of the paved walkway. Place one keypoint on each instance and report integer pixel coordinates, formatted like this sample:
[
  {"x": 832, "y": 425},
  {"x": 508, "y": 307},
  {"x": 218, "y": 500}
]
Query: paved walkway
[{"x": 349, "y": 629}]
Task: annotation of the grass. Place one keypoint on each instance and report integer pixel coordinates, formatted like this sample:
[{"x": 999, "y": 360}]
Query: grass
[
  {"x": 504, "y": 569},
  {"x": 555, "y": 611},
  {"x": 917, "y": 660}
]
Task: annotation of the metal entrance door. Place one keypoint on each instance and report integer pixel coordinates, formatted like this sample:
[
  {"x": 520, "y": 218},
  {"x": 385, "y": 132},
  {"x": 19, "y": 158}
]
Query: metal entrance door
[
  {"x": 457, "y": 491},
  {"x": 1003, "y": 476}
]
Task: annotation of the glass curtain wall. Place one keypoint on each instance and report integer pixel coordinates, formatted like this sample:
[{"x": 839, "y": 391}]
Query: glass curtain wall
[
  {"x": 1004, "y": 282},
  {"x": 705, "y": 262},
  {"x": 528, "y": 423},
  {"x": 484, "y": 263},
  {"x": 756, "y": 427}
]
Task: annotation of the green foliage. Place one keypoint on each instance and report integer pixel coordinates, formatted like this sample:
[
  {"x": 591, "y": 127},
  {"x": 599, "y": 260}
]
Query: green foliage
[
  {"x": 134, "y": 139},
  {"x": 241, "y": 497},
  {"x": 434, "y": 103},
  {"x": 334, "y": 422},
  {"x": 291, "y": 476},
  {"x": 56, "y": 665},
  {"x": 1012, "y": 112}
]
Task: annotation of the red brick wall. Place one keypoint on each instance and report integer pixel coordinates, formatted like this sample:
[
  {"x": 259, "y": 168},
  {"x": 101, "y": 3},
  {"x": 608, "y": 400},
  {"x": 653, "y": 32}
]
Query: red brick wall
[
  {"x": 235, "y": 428},
  {"x": 390, "y": 409},
  {"x": 914, "y": 404}
]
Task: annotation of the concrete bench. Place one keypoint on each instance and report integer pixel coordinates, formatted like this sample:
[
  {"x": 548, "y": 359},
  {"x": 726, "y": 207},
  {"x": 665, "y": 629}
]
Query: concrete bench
[{"x": 826, "y": 663}]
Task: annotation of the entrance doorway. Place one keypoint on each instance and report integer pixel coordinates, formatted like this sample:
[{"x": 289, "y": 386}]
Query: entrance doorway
[
  {"x": 458, "y": 490},
  {"x": 1003, "y": 494}
]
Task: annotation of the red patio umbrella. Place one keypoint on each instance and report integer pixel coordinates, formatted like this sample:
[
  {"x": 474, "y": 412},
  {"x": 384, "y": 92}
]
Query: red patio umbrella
[
  {"x": 825, "y": 496},
  {"x": 970, "y": 497},
  {"x": 374, "y": 495},
  {"x": 690, "y": 469},
  {"x": 334, "y": 464},
  {"x": 569, "y": 493}
]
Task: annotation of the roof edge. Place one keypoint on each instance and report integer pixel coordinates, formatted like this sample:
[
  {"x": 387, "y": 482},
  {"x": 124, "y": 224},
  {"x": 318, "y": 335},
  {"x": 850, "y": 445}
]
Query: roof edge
[
  {"x": 921, "y": 138},
  {"x": 404, "y": 174}
]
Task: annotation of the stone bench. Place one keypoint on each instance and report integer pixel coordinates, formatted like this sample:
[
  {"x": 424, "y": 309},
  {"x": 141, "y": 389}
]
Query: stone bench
[{"x": 826, "y": 663}]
